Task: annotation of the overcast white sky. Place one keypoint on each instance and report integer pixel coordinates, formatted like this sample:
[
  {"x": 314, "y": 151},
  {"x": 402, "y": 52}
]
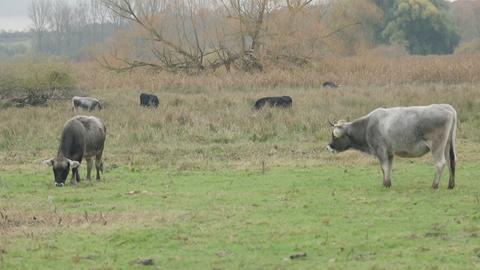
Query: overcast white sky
[{"x": 14, "y": 14}]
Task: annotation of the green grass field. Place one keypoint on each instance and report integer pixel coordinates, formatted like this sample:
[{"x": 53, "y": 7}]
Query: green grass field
[{"x": 340, "y": 216}]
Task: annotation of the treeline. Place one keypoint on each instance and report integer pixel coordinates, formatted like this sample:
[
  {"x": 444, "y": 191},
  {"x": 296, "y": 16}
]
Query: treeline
[
  {"x": 189, "y": 35},
  {"x": 14, "y": 43},
  {"x": 63, "y": 27},
  {"x": 197, "y": 35}
]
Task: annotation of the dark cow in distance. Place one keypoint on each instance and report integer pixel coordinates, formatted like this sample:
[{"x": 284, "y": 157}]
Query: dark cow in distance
[
  {"x": 149, "y": 100},
  {"x": 329, "y": 84},
  {"x": 283, "y": 101},
  {"x": 405, "y": 132},
  {"x": 87, "y": 103},
  {"x": 82, "y": 137}
]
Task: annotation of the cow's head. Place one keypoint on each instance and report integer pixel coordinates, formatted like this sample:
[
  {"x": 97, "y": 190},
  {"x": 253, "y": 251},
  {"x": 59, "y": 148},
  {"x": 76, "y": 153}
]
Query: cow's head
[
  {"x": 340, "y": 139},
  {"x": 61, "y": 167},
  {"x": 154, "y": 101}
]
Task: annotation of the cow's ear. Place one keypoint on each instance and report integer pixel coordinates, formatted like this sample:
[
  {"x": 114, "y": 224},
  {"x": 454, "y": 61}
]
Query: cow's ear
[{"x": 48, "y": 162}]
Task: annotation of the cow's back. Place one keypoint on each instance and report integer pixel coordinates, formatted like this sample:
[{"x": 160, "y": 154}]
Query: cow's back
[
  {"x": 94, "y": 133},
  {"x": 415, "y": 119},
  {"x": 404, "y": 127},
  {"x": 72, "y": 140},
  {"x": 86, "y": 103}
]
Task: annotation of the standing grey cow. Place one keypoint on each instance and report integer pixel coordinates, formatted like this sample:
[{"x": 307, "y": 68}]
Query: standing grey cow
[
  {"x": 87, "y": 103},
  {"x": 82, "y": 137},
  {"x": 405, "y": 132}
]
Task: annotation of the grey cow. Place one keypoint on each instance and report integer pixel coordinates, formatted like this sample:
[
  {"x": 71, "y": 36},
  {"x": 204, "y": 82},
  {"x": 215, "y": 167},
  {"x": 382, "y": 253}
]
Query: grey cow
[
  {"x": 405, "y": 132},
  {"x": 87, "y": 103},
  {"x": 82, "y": 137}
]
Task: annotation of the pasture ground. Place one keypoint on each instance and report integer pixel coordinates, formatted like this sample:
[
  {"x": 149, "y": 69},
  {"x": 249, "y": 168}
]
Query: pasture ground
[{"x": 340, "y": 216}]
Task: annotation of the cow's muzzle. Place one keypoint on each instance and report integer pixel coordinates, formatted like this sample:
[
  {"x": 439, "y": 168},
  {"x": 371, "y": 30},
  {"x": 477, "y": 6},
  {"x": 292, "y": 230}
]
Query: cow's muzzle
[{"x": 330, "y": 149}]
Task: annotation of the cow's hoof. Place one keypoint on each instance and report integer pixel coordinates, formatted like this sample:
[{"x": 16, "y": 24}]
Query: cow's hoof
[
  {"x": 451, "y": 186},
  {"x": 435, "y": 186},
  {"x": 387, "y": 184}
]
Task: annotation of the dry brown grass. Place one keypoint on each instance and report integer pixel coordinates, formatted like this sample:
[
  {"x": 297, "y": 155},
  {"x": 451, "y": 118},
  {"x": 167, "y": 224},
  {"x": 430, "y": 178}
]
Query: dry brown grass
[
  {"x": 364, "y": 70},
  {"x": 35, "y": 223}
]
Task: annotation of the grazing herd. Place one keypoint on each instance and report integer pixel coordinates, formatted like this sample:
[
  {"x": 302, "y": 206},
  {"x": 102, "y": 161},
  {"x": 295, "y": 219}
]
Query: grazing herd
[{"x": 383, "y": 133}]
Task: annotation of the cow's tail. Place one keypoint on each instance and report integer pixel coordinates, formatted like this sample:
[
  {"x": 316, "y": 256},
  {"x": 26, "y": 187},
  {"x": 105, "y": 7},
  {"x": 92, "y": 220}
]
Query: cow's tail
[{"x": 453, "y": 137}]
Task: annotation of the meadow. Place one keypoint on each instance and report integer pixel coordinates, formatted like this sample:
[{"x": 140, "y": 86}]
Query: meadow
[{"x": 206, "y": 182}]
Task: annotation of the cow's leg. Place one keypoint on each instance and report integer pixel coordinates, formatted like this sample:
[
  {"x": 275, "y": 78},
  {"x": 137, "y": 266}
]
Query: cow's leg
[
  {"x": 386, "y": 162},
  {"x": 89, "y": 167},
  {"x": 438, "y": 153},
  {"x": 387, "y": 170},
  {"x": 73, "y": 180},
  {"x": 99, "y": 165}
]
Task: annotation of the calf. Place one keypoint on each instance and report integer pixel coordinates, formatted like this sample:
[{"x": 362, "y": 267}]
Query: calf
[
  {"x": 87, "y": 103},
  {"x": 82, "y": 137},
  {"x": 148, "y": 100},
  {"x": 283, "y": 101},
  {"x": 329, "y": 84}
]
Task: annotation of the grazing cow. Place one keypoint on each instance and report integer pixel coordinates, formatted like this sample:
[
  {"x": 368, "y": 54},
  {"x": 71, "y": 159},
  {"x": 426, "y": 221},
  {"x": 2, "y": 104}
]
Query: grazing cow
[
  {"x": 329, "y": 84},
  {"x": 148, "y": 100},
  {"x": 405, "y": 132},
  {"x": 87, "y": 103},
  {"x": 283, "y": 101},
  {"x": 82, "y": 137}
]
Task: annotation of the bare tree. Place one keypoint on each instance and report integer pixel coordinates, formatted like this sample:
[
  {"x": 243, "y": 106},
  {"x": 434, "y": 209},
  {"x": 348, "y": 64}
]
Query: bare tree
[
  {"x": 60, "y": 23},
  {"x": 195, "y": 35},
  {"x": 173, "y": 32},
  {"x": 39, "y": 12},
  {"x": 100, "y": 16},
  {"x": 296, "y": 5}
]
